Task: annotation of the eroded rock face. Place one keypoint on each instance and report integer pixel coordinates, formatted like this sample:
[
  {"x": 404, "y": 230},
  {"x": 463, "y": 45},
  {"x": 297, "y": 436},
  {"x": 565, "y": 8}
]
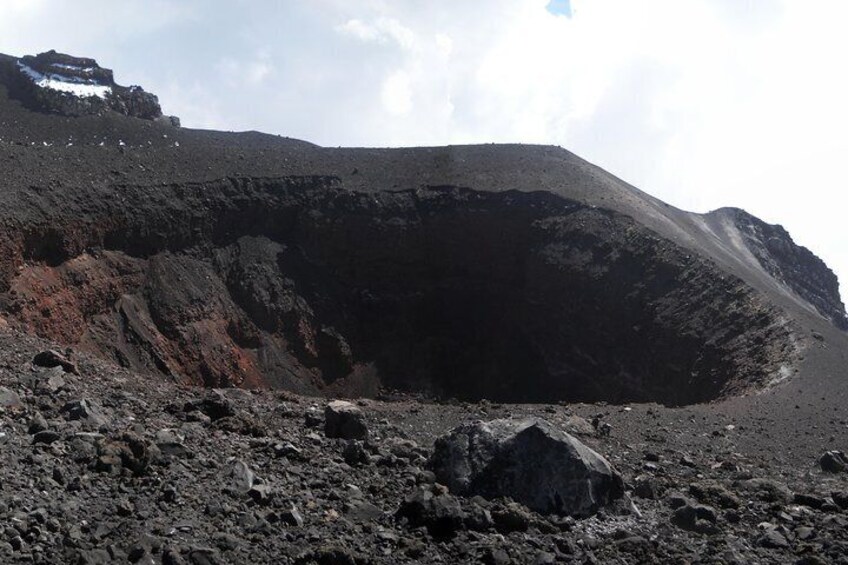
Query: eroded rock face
[
  {"x": 528, "y": 460},
  {"x": 299, "y": 283},
  {"x": 791, "y": 264},
  {"x": 77, "y": 86}
]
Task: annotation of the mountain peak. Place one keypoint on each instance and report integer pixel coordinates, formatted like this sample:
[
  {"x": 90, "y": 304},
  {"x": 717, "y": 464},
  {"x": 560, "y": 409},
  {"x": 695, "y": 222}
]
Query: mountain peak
[{"x": 64, "y": 84}]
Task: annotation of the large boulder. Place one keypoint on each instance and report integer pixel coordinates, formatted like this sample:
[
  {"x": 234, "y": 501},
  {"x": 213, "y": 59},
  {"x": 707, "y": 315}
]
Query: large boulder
[
  {"x": 529, "y": 460},
  {"x": 344, "y": 420}
]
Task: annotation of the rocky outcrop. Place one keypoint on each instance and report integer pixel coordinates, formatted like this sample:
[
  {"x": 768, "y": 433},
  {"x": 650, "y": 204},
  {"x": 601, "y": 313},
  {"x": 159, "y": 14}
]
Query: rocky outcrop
[
  {"x": 793, "y": 265},
  {"x": 76, "y": 86},
  {"x": 530, "y": 461}
]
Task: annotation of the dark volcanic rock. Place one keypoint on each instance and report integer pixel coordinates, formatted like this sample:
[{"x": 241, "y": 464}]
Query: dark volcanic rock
[
  {"x": 77, "y": 86},
  {"x": 793, "y": 265},
  {"x": 52, "y": 358},
  {"x": 834, "y": 462},
  {"x": 530, "y": 461},
  {"x": 344, "y": 420},
  {"x": 441, "y": 513}
]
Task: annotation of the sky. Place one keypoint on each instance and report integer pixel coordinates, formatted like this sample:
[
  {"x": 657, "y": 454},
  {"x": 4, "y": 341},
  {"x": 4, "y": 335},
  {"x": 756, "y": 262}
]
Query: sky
[{"x": 702, "y": 103}]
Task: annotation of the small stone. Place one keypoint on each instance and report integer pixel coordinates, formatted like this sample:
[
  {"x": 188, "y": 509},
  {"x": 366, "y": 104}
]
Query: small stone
[
  {"x": 312, "y": 418},
  {"x": 363, "y": 512},
  {"x": 241, "y": 477},
  {"x": 808, "y": 500},
  {"x": 805, "y": 533},
  {"x": 9, "y": 399},
  {"x": 841, "y": 499},
  {"x": 170, "y": 443},
  {"x": 773, "y": 539},
  {"x": 261, "y": 494},
  {"x": 46, "y": 437},
  {"x": 292, "y": 517},
  {"x": 696, "y": 518},
  {"x": 354, "y": 454},
  {"x": 287, "y": 449},
  {"x": 37, "y": 424},
  {"x": 169, "y": 494},
  {"x": 51, "y": 358},
  {"x": 687, "y": 461},
  {"x": 86, "y": 411},
  {"x": 496, "y": 557},
  {"x": 646, "y": 487},
  {"x": 512, "y": 518},
  {"x": 440, "y": 513},
  {"x": 834, "y": 462}
]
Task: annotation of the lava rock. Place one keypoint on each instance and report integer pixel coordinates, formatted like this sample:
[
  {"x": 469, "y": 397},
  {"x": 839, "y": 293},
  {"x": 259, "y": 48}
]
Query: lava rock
[
  {"x": 51, "y": 358},
  {"x": 840, "y": 498},
  {"x": 773, "y": 539},
  {"x": 292, "y": 517},
  {"x": 440, "y": 513},
  {"x": 696, "y": 518},
  {"x": 355, "y": 454},
  {"x": 344, "y": 420},
  {"x": 46, "y": 437},
  {"x": 834, "y": 462},
  {"x": 528, "y": 460},
  {"x": 85, "y": 411},
  {"x": 127, "y": 451}
]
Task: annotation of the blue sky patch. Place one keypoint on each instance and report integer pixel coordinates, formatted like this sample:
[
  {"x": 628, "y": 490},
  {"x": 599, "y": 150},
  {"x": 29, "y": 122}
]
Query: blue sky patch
[{"x": 560, "y": 7}]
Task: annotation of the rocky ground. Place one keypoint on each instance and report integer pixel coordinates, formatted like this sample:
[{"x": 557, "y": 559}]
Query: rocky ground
[{"x": 103, "y": 466}]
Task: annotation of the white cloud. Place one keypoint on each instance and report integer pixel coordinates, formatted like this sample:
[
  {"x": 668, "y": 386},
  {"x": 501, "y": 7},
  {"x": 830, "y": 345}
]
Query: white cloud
[
  {"x": 250, "y": 72},
  {"x": 397, "y": 93},
  {"x": 382, "y": 30}
]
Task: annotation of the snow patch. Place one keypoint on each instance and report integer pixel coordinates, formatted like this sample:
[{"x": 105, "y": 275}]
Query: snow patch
[
  {"x": 61, "y": 83},
  {"x": 73, "y": 68}
]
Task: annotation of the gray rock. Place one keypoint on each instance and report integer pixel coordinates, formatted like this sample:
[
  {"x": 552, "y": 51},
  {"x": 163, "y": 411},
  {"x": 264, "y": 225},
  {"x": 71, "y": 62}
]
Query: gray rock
[
  {"x": 292, "y": 517},
  {"x": 85, "y": 411},
  {"x": 361, "y": 511},
  {"x": 51, "y": 358},
  {"x": 354, "y": 454},
  {"x": 696, "y": 518},
  {"x": 528, "y": 460},
  {"x": 773, "y": 539},
  {"x": 344, "y": 420},
  {"x": 646, "y": 487},
  {"x": 170, "y": 443},
  {"x": 241, "y": 477},
  {"x": 834, "y": 462},
  {"x": 9, "y": 399},
  {"x": 46, "y": 436},
  {"x": 840, "y": 498},
  {"x": 440, "y": 513},
  {"x": 511, "y": 517},
  {"x": 261, "y": 494},
  {"x": 37, "y": 424}
]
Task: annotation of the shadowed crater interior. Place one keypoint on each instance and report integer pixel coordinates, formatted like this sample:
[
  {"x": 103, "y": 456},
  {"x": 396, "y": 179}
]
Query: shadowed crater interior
[{"x": 299, "y": 283}]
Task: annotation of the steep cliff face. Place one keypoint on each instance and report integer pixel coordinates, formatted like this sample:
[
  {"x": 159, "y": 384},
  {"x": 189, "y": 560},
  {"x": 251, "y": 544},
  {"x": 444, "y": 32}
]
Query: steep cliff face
[
  {"x": 790, "y": 264},
  {"x": 303, "y": 284},
  {"x": 75, "y": 86}
]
